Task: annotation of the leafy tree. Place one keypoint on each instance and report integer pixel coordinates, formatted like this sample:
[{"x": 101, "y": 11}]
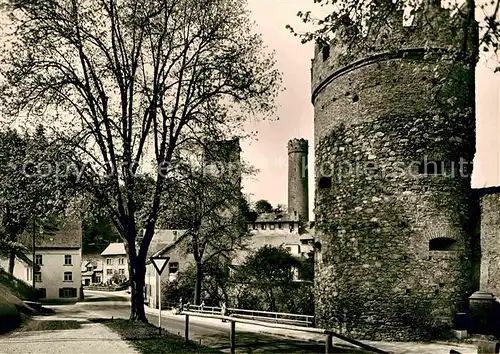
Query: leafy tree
[
  {"x": 98, "y": 232},
  {"x": 270, "y": 272},
  {"x": 360, "y": 23},
  {"x": 215, "y": 285},
  {"x": 209, "y": 205},
  {"x": 263, "y": 206},
  {"x": 280, "y": 208},
  {"x": 33, "y": 190},
  {"x": 123, "y": 82}
]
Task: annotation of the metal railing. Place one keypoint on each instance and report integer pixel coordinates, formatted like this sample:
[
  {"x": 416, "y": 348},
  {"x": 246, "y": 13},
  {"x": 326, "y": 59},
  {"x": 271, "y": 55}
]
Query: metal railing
[
  {"x": 232, "y": 334},
  {"x": 265, "y": 316}
]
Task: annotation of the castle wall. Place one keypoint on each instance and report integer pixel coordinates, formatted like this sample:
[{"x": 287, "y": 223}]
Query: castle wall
[
  {"x": 298, "y": 179},
  {"x": 378, "y": 217},
  {"x": 490, "y": 243}
]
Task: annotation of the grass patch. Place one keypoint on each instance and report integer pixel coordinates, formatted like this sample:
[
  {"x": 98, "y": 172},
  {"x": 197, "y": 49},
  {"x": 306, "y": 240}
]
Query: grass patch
[
  {"x": 145, "y": 338},
  {"x": 34, "y": 325}
]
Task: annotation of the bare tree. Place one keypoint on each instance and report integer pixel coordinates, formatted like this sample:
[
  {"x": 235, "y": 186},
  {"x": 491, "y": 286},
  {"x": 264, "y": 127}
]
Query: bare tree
[{"x": 126, "y": 82}]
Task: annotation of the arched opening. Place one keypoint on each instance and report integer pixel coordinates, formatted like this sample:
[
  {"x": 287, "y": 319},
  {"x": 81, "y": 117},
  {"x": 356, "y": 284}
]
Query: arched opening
[
  {"x": 442, "y": 244},
  {"x": 317, "y": 252},
  {"x": 326, "y": 52}
]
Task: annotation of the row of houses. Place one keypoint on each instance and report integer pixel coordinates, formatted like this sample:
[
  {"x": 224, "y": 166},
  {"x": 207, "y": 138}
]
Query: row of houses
[{"x": 62, "y": 273}]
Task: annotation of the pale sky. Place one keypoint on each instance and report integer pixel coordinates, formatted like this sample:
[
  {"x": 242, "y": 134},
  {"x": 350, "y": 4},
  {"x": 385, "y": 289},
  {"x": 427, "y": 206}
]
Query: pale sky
[{"x": 295, "y": 112}]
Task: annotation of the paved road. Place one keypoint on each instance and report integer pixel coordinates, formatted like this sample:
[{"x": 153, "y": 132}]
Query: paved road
[
  {"x": 215, "y": 335},
  {"x": 249, "y": 339}
]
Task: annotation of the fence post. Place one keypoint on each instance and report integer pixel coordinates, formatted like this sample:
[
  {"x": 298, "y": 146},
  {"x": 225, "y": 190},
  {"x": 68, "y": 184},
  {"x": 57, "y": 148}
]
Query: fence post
[
  {"x": 232, "y": 337},
  {"x": 329, "y": 344},
  {"x": 186, "y": 329}
]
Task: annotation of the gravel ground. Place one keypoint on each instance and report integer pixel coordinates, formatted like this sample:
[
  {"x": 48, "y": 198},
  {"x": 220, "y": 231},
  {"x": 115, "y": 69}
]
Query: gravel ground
[{"x": 89, "y": 339}]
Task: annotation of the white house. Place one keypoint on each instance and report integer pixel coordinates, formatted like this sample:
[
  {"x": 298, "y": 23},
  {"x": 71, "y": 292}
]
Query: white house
[
  {"x": 91, "y": 269},
  {"x": 115, "y": 262},
  {"x": 166, "y": 243},
  {"x": 58, "y": 258}
]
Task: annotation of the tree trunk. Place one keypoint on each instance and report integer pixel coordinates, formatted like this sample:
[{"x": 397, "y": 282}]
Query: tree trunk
[
  {"x": 12, "y": 259},
  {"x": 137, "y": 283},
  {"x": 198, "y": 284}
]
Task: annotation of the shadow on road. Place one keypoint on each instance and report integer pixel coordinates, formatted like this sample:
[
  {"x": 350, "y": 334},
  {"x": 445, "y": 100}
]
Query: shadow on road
[
  {"x": 105, "y": 299},
  {"x": 260, "y": 343}
]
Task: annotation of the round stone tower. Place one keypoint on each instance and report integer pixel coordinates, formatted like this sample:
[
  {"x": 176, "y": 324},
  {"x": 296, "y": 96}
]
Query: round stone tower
[
  {"x": 394, "y": 135},
  {"x": 298, "y": 196}
]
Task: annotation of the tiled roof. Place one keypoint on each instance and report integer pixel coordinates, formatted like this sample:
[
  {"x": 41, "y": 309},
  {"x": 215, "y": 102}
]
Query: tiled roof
[
  {"x": 114, "y": 249},
  {"x": 258, "y": 241},
  {"x": 68, "y": 235},
  {"x": 276, "y": 217},
  {"x": 95, "y": 261},
  {"x": 164, "y": 239}
]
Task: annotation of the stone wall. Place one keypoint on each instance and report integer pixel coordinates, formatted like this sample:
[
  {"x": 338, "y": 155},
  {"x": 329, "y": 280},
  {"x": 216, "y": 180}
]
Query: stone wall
[
  {"x": 395, "y": 236},
  {"x": 490, "y": 242}
]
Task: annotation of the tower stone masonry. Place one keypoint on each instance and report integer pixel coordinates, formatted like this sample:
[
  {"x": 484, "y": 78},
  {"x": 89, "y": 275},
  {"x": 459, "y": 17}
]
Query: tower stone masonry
[
  {"x": 298, "y": 189},
  {"x": 394, "y": 214}
]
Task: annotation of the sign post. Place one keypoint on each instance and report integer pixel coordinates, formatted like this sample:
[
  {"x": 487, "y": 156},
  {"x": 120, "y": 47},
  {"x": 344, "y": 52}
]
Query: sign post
[{"x": 159, "y": 263}]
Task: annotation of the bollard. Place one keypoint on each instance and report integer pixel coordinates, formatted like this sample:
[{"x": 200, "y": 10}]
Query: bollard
[
  {"x": 481, "y": 304},
  {"x": 232, "y": 337},
  {"x": 329, "y": 344},
  {"x": 186, "y": 329}
]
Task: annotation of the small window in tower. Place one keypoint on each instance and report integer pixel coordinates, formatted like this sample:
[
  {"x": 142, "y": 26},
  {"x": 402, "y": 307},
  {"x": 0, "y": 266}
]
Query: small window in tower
[
  {"x": 326, "y": 52},
  {"x": 442, "y": 244},
  {"x": 325, "y": 182}
]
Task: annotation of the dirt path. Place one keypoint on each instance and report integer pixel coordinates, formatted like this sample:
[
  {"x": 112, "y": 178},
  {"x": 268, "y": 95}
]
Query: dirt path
[{"x": 89, "y": 339}]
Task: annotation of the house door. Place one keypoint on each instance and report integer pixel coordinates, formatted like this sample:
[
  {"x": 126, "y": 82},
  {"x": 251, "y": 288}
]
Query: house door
[{"x": 87, "y": 282}]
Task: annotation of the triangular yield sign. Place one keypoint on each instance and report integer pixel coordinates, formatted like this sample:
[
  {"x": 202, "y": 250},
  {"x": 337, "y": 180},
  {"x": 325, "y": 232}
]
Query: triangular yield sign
[{"x": 159, "y": 263}]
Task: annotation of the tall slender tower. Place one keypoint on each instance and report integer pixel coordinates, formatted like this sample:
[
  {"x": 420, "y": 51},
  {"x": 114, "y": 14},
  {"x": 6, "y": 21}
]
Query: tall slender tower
[{"x": 298, "y": 196}]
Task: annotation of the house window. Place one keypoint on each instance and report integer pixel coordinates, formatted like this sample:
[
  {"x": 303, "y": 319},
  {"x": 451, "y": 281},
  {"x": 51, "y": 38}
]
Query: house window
[
  {"x": 173, "y": 267},
  {"x": 67, "y": 259},
  {"x": 109, "y": 261},
  {"x": 271, "y": 227},
  {"x": 254, "y": 226},
  {"x": 68, "y": 276},
  {"x": 42, "y": 293},
  {"x": 263, "y": 226},
  {"x": 109, "y": 271},
  {"x": 121, "y": 261},
  {"x": 280, "y": 226},
  {"x": 325, "y": 51},
  {"x": 121, "y": 271},
  {"x": 98, "y": 279},
  {"x": 442, "y": 244},
  {"x": 67, "y": 292},
  {"x": 38, "y": 259},
  {"x": 304, "y": 242},
  {"x": 38, "y": 277},
  {"x": 291, "y": 226}
]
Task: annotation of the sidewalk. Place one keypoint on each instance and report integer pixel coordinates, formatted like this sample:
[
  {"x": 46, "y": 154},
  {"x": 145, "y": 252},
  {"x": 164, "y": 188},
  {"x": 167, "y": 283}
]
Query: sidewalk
[
  {"x": 392, "y": 347},
  {"x": 89, "y": 339}
]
